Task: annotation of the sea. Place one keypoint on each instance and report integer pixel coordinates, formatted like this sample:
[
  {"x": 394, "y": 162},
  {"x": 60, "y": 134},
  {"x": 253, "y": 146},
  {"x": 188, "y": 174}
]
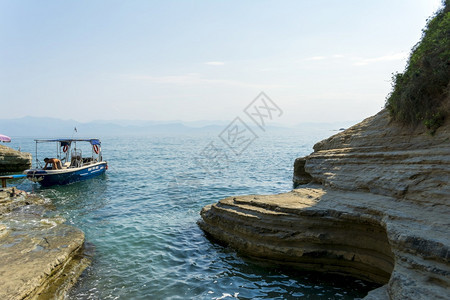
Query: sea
[{"x": 140, "y": 218}]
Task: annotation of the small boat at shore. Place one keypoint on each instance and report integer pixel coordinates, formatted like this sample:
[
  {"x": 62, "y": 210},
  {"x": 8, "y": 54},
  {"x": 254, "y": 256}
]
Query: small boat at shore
[{"x": 70, "y": 164}]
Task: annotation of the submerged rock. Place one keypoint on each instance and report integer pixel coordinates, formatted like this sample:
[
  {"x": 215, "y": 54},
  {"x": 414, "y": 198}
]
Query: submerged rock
[
  {"x": 13, "y": 161},
  {"x": 41, "y": 256},
  {"x": 12, "y": 198},
  {"x": 372, "y": 203}
]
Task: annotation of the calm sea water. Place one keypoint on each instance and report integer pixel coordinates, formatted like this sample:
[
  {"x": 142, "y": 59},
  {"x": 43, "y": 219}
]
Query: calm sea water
[{"x": 140, "y": 219}]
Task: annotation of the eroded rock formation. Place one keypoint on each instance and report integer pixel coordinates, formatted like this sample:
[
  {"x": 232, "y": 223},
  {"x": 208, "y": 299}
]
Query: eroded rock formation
[
  {"x": 13, "y": 161},
  {"x": 372, "y": 202},
  {"x": 41, "y": 258}
]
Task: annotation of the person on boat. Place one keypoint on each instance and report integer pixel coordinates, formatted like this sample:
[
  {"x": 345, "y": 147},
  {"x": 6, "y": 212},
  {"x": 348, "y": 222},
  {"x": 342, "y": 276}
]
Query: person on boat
[{"x": 56, "y": 163}]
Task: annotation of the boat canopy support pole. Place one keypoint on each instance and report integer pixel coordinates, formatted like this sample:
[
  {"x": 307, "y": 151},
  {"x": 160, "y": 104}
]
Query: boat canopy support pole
[{"x": 36, "y": 156}]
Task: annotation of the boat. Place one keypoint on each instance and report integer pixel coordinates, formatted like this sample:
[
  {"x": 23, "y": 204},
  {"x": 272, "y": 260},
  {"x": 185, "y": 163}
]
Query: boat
[{"x": 74, "y": 164}]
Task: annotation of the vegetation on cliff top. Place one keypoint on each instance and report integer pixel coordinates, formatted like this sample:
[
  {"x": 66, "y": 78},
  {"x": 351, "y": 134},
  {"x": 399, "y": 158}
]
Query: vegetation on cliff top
[{"x": 421, "y": 92}]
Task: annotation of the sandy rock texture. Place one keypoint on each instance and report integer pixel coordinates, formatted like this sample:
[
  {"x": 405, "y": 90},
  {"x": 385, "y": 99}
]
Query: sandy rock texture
[
  {"x": 41, "y": 257},
  {"x": 371, "y": 202},
  {"x": 13, "y": 161}
]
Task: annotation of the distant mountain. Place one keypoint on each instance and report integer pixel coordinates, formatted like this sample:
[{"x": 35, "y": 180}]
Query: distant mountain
[
  {"x": 52, "y": 127},
  {"x": 33, "y": 126},
  {"x": 39, "y": 127}
]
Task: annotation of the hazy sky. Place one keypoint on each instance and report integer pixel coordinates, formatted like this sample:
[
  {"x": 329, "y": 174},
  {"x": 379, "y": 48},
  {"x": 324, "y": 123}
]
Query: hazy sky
[{"x": 203, "y": 60}]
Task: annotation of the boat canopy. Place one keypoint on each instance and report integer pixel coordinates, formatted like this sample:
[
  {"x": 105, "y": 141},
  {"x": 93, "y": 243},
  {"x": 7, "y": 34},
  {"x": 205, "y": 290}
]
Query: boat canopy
[{"x": 68, "y": 141}]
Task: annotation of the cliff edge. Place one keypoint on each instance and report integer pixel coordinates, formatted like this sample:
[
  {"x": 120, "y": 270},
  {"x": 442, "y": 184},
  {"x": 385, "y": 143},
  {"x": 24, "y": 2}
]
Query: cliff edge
[{"x": 371, "y": 202}]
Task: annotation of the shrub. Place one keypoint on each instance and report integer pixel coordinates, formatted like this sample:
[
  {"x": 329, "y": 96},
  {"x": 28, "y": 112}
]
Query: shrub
[{"x": 420, "y": 93}]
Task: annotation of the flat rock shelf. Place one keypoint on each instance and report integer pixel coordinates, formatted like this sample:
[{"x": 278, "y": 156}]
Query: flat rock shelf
[{"x": 41, "y": 256}]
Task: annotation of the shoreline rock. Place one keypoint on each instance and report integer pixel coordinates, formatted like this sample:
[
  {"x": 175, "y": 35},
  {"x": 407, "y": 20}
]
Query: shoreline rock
[
  {"x": 41, "y": 256},
  {"x": 13, "y": 161},
  {"x": 372, "y": 202}
]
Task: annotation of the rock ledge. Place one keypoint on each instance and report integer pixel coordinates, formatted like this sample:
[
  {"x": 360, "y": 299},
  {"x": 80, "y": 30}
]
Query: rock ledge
[
  {"x": 13, "y": 161},
  {"x": 41, "y": 257}
]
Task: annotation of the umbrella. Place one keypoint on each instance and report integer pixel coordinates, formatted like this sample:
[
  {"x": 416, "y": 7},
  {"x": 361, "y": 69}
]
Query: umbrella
[{"x": 4, "y": 138}]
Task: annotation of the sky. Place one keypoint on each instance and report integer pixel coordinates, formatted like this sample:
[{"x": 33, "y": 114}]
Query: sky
[{"x": 319, "y": 61}]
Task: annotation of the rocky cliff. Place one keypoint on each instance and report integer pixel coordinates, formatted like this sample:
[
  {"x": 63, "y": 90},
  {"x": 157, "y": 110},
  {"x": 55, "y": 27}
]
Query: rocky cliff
[
  {"x": 371, "y": 202},
  {"x": 13, "y": 161}
]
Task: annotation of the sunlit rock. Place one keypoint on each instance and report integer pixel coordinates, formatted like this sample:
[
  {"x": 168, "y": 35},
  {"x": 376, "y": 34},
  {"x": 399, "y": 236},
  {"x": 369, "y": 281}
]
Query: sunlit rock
[{"x": 13, "y": 161}]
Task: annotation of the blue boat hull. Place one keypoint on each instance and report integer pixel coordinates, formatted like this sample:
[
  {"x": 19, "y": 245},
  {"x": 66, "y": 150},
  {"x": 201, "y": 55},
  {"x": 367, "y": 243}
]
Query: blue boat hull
[{"x": 61, "y": 177}]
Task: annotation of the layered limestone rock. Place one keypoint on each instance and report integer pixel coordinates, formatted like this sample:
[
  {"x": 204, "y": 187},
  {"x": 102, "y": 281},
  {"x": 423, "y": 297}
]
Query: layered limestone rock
[
  {"x": 382, "y": 157},
  {"x": 13, "y": 161},
  {"x": 372, "y": 202},
  {"x": 41, "y": 258}
]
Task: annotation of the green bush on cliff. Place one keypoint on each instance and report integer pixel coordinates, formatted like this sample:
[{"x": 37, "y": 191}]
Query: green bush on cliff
[{"x": 421, "y": 93}]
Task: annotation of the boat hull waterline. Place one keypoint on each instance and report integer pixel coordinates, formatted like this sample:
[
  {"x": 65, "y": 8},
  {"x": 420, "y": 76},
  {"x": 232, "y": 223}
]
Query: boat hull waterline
[{"x": 66, "y": 176}]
